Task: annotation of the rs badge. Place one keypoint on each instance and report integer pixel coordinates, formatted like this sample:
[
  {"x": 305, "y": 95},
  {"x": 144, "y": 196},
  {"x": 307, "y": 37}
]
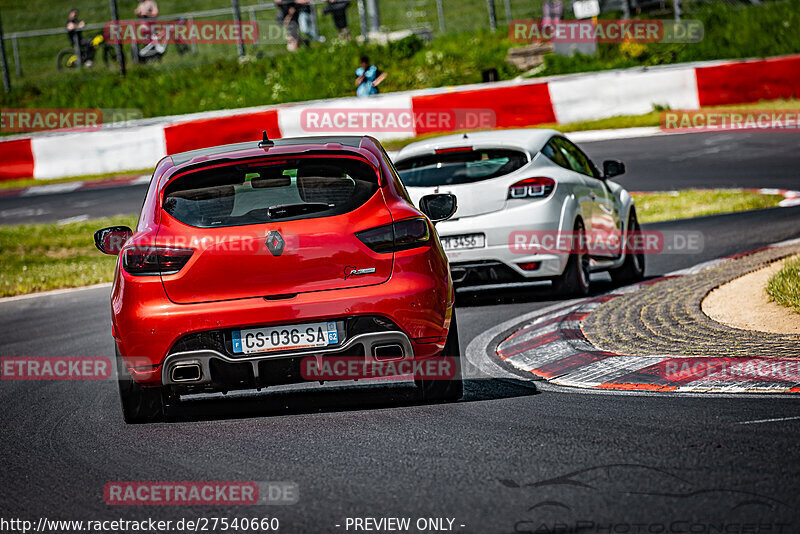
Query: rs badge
[{"x": 354, "y": 271}]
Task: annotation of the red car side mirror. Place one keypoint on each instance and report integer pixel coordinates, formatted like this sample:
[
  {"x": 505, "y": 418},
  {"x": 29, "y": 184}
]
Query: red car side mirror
[{"x": 110, "y": 240}]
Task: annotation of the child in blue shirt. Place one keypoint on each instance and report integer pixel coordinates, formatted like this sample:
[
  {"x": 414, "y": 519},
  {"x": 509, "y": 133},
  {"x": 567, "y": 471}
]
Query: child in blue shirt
[{"x": 368, "y": 77}]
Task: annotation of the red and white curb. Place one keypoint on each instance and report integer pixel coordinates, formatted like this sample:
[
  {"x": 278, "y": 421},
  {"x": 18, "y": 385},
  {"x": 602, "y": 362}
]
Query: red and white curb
[
  {"x": 548, "y": 345},
  {"x": 790, "y": 198}
]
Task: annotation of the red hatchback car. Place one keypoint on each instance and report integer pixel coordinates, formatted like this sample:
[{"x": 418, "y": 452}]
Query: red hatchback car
[{"x": 248, "y": 258}]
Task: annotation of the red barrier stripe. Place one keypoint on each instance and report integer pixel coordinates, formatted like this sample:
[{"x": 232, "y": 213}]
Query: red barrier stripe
[
  {"x": 749, "y": 81},
  {"x": 515, "y": 106},
  {"x": 17, "y": 159},
  {"x": 221, "y": 131}
]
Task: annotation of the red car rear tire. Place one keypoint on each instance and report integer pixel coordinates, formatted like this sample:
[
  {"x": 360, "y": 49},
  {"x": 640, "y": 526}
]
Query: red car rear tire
[
  {"x": 440, "y": 389},
  {"x": 139, "y": 404}
]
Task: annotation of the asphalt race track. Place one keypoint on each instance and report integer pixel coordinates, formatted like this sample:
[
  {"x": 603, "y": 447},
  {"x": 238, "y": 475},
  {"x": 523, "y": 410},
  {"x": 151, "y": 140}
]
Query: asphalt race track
[
  {"x": 657, "y": 163},
  {"x": 509, "y": 457}
]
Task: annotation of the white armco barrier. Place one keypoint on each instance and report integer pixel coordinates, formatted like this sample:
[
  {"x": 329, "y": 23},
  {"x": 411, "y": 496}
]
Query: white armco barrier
[
  {"x": 623, "y": 92},
  {"x": 99, "y": 152},
  {"x": 314, "y": 118}
]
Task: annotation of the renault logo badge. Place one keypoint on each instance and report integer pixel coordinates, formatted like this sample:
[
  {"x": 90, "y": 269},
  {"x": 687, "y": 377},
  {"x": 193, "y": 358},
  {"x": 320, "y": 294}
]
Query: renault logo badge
[{"x": 275, "y": 243}]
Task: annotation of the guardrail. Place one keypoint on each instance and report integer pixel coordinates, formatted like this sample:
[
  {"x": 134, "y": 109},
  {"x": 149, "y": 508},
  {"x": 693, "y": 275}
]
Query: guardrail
[{"x": 189, "y": 16}]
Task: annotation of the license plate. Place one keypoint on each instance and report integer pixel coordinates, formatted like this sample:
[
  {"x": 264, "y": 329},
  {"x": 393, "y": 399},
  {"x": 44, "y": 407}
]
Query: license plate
[
  {"x": 288, "y": 337},
  {"x": 461, "y": 242}
]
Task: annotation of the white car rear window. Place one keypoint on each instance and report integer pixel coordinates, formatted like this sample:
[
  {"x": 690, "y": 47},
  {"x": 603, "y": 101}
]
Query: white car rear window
[{"x": 459, "y": 167}]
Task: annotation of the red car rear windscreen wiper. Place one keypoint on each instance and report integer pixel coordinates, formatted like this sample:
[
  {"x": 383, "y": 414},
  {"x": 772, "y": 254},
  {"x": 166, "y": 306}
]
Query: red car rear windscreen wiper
[{"x": 283, "y": 211}]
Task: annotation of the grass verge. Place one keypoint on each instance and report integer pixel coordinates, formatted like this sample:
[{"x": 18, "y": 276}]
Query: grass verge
[
  {"x": 784, "y": 286},
  {"x": 41, "y": 257},
  {"x": 671, "y": 205}
]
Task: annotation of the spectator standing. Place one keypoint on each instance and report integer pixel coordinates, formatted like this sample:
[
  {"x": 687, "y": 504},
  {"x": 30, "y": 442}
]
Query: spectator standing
[
  {"x": 306, "y": 20},
  {"x": 338, "y": 10},
  {"x": 75, "y": 36},
  {"x": 288, "y": 15},
  {"x": 147, "y": 9},
  {"x": 368, "y": 78}
]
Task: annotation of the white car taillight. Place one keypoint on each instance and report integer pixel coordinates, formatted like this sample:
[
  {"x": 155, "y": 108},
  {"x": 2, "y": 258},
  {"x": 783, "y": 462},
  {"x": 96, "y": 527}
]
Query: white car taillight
[{"x": 538, "y": 187}]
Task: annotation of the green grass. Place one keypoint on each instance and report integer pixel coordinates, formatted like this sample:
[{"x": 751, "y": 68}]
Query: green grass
[
  {"x": 41, "y": 257},
  {"x": 784, "y": 286},
  {"x": 670, "y": 205},
  {"x": 38, "y": 55},
  {"x": 731, "y": 31},
  {"x": 317, "y": 73},
  {"x": 215, "y": 79}
]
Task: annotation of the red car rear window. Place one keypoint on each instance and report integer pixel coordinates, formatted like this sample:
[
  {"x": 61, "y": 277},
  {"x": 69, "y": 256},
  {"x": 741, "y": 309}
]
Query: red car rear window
[{"x": 255, "y": 193}]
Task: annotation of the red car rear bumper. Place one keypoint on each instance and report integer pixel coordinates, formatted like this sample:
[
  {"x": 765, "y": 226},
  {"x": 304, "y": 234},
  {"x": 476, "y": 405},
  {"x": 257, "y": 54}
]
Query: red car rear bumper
[{"x": 146, "y": 324}]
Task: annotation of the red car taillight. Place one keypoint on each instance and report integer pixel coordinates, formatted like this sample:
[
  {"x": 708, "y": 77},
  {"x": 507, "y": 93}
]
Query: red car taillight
[
  {"x": 141, "y": 261},
  {"x": 401, "y": 235},
  {"x": 539, "y": 187}
]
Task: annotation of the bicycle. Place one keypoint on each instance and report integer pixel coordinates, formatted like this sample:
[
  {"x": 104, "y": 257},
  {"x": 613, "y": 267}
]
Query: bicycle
[{"x": 68, "y": 59}]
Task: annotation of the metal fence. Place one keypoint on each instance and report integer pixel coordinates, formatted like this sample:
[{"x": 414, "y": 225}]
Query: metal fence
[{"x": 34, "y": 52}]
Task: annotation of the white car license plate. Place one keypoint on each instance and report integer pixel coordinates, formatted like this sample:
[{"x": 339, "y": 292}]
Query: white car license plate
[
  {"x": 294, "y": 337},
  {"x": 461, "y": 242}
]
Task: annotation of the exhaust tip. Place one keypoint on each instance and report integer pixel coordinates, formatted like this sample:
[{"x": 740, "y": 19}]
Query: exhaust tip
[
  {"x": 458, "y": 274},
  {"x": 188, "y": 372},
  {"x": 392, "y": 351}
]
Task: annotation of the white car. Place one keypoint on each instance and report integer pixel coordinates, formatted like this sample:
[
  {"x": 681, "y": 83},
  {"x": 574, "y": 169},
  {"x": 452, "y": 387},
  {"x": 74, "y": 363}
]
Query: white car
[{"x": 520, "y": 193}]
